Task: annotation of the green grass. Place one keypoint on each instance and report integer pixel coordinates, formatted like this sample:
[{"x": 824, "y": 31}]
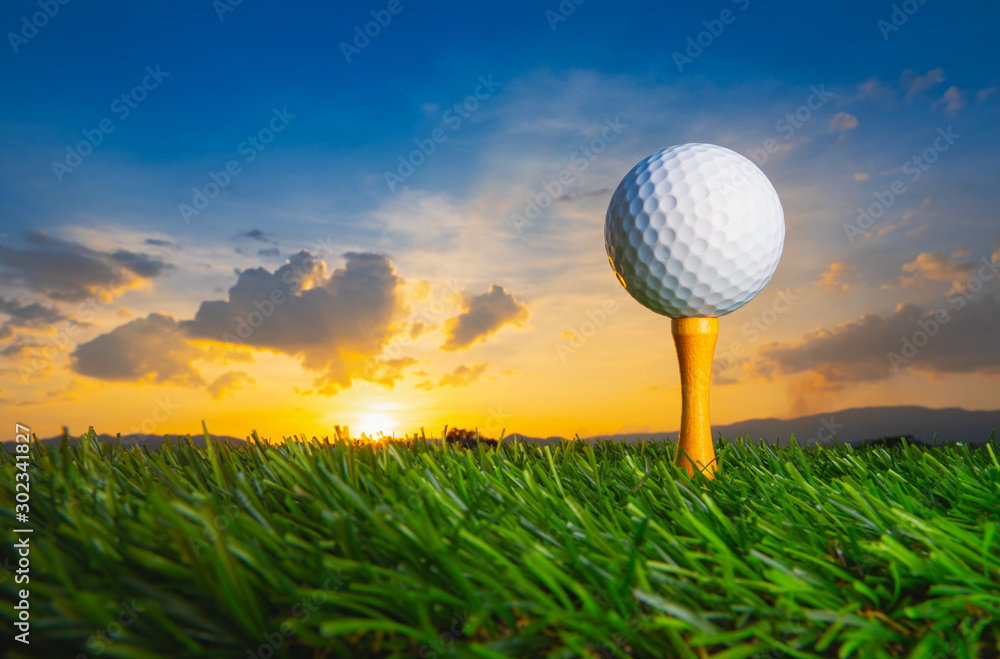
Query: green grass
[{"x": 343, "y": 550}]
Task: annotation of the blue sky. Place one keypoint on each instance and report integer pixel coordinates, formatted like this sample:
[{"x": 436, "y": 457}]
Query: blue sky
[{"x": 320, "y": 186}]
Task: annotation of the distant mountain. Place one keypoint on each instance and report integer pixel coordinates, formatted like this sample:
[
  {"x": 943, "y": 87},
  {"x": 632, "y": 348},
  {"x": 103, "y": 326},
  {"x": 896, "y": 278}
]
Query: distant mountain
[{"x": 851, "y": 426}]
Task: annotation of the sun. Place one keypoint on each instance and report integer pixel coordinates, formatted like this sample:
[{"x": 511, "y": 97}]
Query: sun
[{"x": 372, "y": 423}]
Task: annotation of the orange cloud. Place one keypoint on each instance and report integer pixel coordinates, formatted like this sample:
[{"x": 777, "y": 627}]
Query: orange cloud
[
  {"x": 935, "y": 266},
  {"x": 229, "y": 383},
  {"x": 833, "y": 278},
  {"x": 843, "y": 121},
  {"x": 484, "y": 315},
  {"x": 464, "y": 375}
]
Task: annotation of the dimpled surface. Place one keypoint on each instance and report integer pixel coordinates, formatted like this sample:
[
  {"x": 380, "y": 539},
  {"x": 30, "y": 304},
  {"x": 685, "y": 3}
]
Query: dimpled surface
[{"x": 694, "y": 230}]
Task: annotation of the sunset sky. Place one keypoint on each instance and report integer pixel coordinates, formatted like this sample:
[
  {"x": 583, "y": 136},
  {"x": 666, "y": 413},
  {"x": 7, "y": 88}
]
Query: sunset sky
[{"x": 258, "y": 216}]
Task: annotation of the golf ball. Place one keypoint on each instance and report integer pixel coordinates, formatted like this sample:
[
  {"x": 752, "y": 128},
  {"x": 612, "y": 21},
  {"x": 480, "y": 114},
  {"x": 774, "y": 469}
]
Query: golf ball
[{"x": 694, "y": 230}]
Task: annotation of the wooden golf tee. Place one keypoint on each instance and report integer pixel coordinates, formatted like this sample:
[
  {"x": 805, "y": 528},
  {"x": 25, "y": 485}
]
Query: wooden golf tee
[{"x": 695, "y": 340}]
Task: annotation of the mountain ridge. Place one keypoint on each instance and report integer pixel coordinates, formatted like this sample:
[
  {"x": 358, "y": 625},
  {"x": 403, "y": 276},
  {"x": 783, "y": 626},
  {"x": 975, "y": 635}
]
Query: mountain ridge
[{"x": 851, "y": 425}]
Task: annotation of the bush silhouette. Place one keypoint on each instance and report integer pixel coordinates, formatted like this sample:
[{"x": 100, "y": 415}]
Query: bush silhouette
[{"x": 467, "y": 438}]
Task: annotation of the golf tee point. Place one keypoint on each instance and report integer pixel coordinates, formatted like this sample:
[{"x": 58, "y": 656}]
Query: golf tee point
[{"x": 695, "y": 340}]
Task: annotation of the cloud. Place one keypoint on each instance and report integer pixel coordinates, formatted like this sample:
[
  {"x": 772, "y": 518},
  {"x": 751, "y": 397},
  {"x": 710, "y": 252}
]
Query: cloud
[
  {"x": 843, "y": 121},
  {"x": 861, "y": 176},
  {"x": 935, "y": 266},
  {"x": 150, "y": 349},
  {"x": 833, "y": 278},
  {"x": 600, "y": 193},
  {"x": 70, "y": 272},
  {"x": 858, "y": 350},
  {"x": 270, "y": 251},
  {"x": 386, "y": 371},
  {"x": 909, "y": 85},
  {"x": 254, "y": 234},
  {"x": 229, "y": 383},
  {"x": 32, "y": 316},
  {"x": 463, "y": 376},
  {"x": 984, "y": 94},
  {"x": 336, "y": 324},
  {"x": 417, "y": 328},
  {"x": 995, "y": 245},
  {"x": 19, "y": 346},
  {"x": 954, "y": 100},
  {"x": 916, "y": 85},
  {"x": 157, "y": 242},
  {"x": 876, "y": 90},
  {"x": 483, "y": 315}
]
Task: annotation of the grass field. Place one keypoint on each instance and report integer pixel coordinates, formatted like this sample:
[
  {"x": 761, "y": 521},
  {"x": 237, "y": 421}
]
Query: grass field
[{"x": 423, "y": 550}]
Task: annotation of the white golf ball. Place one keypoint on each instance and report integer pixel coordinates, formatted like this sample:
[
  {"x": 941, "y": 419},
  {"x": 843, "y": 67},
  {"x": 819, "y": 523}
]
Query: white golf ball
[{"x": 694, "y": 230}]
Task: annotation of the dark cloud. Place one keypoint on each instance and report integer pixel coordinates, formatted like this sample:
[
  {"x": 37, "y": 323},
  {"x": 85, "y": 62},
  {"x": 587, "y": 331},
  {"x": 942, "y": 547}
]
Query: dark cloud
[
  {"x": 32, "y": 316},
  {"x": 583, "y": 194},
  {"x": 19, "y": 346},
  {"x": 270, "y": 251},
  {"x": 334, "y": 323},
  {"x": 875, "y": 348},
  {"x": 156, "y": 242},
  {"x": 70, "y": 272},
  {"x": 483, "y": 315},
  {"x": 254, "y": 234},
  {"x": 150, "y": 349}
]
